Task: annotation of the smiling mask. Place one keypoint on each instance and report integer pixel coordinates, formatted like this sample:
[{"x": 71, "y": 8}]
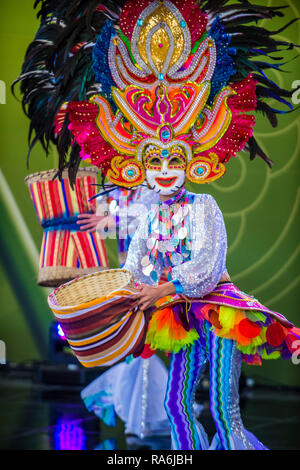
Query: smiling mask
[{"x": 165, "y": 169}]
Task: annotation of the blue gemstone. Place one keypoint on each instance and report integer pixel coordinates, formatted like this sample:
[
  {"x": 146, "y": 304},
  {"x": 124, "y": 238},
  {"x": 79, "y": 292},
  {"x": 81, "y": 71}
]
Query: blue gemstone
[
  {"x": 199, "y": 171},
  {"x": 160, "y": 76},
  {"x": 165, "y": 153},
  {"x": 165, "y": 134},
  {"x": 140, "y": 22},
  {"x": 130, "y": 172},
  {"x": 182, "y": 24}
]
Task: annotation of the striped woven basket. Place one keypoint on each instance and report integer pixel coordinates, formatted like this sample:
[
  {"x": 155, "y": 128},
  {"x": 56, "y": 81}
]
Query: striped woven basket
[
  {"x": 97, "y": 315},
  {"x": 66, "y": 251}
]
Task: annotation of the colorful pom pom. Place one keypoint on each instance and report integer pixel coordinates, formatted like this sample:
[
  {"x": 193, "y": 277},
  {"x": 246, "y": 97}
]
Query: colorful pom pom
[
  {"x": 168, "y": 334},
  {"x": 249, "y": 329},
  {"x": 292, "y": 343},
  {"x": 275, "y": 334}
]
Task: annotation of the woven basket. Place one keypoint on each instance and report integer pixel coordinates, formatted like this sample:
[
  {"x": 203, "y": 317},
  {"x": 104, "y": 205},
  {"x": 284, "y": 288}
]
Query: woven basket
[
  {"x": 93, "y": 286},
  {"x": 98, "y": 317},
  {"x": 66, "y": 252}
]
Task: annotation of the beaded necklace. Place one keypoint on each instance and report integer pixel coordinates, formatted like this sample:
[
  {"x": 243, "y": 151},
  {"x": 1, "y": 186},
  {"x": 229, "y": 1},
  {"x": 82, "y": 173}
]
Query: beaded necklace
[{"x": 169, "y": 237}]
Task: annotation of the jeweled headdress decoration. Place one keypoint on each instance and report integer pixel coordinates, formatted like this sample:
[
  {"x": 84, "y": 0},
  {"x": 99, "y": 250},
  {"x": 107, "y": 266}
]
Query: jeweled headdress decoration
[
  {"x": 162, "y": 61},
  {"x": 157, "y": 74}
]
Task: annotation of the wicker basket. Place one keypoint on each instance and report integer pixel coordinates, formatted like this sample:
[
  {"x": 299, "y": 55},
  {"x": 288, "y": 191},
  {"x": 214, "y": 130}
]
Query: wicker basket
[
  {"x": 66, "y": 252},
  {"x": 93, "y": 286},
  {"x": 98, "y": 316}
]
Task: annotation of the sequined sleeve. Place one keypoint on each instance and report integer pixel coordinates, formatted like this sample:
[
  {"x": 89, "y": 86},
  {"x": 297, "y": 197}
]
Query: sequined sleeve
[
  {"x": 137, "y": 250},
  {"x": 202, "y": 273}
]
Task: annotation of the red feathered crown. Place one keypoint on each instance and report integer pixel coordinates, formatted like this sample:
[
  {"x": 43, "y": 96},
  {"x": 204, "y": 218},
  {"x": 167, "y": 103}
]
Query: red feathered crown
[{"x": 163, "y": 60}]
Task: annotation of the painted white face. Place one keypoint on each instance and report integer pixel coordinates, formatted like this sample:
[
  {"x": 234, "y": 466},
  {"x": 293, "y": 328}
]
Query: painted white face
[{"x": 165, "y": 169}]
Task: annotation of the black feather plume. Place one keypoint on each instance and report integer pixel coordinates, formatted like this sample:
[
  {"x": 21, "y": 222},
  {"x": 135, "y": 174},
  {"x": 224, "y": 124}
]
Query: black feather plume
[{"x": 56, "y": 69}]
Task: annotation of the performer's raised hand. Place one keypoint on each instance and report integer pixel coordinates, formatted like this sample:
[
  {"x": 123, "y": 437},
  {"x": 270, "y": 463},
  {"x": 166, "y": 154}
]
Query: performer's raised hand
[
  {"x": 89, "y": 222},
  {"x": 92, "y": 222}
]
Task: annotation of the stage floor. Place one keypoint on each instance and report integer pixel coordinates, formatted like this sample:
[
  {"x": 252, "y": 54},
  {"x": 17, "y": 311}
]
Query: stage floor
[{"x": 53, "y": 417}]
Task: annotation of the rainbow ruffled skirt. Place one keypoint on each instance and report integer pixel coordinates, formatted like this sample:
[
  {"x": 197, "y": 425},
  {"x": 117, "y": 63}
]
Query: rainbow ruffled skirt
[{"x": 258, "y": 332}]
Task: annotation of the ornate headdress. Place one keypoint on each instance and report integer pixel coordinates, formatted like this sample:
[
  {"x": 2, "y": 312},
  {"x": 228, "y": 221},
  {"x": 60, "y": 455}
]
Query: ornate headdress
[{"x": 115, "y": 79}]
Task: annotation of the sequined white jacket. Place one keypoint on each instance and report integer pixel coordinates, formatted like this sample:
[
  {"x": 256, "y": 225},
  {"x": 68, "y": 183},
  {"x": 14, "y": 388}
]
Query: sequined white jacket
[{"x": 199, "y": 270}]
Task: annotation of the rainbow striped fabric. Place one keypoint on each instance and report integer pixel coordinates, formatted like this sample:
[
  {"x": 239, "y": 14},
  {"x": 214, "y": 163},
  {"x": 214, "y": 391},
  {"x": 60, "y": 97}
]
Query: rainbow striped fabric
[
  {"x": 103, "y": 331},
  {"x": 66, "y": 252}
]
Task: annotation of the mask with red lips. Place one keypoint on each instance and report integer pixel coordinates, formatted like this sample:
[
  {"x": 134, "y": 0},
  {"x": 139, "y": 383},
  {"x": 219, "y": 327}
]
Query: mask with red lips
[{"x": 165, "y": 169}]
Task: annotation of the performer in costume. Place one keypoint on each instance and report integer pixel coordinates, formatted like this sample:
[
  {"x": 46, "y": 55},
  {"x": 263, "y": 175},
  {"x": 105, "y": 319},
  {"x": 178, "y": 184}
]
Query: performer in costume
[{"x": 167, "y": 93}]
